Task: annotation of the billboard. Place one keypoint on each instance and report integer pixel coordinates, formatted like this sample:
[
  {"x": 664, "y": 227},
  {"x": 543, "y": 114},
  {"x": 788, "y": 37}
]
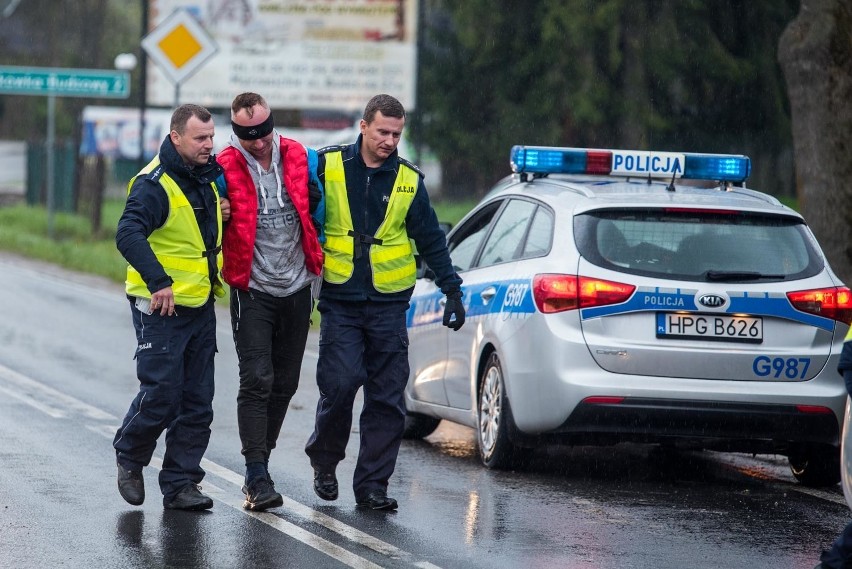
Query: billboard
[
  {"x": 298, "y": 54},
  {"x": 114, "y": 131}
]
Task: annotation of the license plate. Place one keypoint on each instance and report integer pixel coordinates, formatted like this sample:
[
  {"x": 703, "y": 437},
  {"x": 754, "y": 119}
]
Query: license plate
[{"x": 710, "y": 327}]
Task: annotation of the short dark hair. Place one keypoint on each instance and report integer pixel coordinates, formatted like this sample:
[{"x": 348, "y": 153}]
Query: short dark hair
[
  {"x": 182, "y": 114},
  {"x": 247, "y": 101},
  {"x": 384, "y": 104}
]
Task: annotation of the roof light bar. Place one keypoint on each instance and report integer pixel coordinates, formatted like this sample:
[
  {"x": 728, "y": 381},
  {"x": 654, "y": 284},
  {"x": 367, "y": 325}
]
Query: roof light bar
[{"x": 634, "y": 163}]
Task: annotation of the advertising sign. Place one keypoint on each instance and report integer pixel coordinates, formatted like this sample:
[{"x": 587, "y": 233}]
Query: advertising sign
[
  {"x": 298, "y": 54},
  {"x": 114, "y": 131}
]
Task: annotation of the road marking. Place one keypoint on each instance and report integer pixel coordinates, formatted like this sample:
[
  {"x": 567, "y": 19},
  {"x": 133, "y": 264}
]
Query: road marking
[
  {"x": 58, "y": 405},
  {"x": 49, "y": 400},
  {"x": 312, "y": 515},
  {"x": 46, "y": 409},
  {"x": 285, "y": 527}
]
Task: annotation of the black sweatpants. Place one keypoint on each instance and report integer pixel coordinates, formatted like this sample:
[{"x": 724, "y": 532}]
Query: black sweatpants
[{"x": 270, "y": 334}]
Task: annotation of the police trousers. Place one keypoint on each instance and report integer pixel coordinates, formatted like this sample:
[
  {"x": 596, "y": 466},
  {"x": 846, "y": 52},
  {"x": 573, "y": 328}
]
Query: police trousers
[
  {"x": 362, "y": 344},
  {"x": 174, "y": 365}
]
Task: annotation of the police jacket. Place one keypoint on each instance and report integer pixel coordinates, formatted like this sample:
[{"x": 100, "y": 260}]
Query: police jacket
[
  {"x": 368, "y": 191},
  {"x": 147, "y": 209},
  {"x": 238, "y": 244}
]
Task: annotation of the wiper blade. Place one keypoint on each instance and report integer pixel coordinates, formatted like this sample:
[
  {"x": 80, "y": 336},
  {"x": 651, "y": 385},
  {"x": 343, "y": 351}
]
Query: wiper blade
[{"x": 740, "y": 276}]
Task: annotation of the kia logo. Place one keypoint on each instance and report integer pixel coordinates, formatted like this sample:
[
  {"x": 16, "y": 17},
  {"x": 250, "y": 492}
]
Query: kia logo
[{"x": 711, "y": 300}]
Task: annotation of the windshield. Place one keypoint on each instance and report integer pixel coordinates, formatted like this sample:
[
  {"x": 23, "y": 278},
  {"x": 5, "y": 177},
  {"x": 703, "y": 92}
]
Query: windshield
[{"x": 698, "y": 245}]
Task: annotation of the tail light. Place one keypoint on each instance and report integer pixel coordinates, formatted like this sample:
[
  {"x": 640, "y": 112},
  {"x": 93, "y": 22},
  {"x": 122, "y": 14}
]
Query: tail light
[
  {"x": 814, "y": 409},
  {"x": 557, "y": 293},
  {"x": 603, "y": 400},
  {"x": 831, "y": 302}
]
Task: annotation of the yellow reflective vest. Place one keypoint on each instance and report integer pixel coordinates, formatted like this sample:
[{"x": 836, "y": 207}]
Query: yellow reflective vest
[
  {"x": 179, "y": 247},
  {"x": 391, "y": 255}
]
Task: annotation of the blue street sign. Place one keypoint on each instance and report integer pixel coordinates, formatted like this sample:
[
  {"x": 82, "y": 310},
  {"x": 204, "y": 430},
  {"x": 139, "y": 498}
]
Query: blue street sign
[{"x": 64, "y": 82}]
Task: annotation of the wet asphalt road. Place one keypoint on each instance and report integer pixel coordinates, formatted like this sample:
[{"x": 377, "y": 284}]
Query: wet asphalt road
[{"x": 67, "y": 376}]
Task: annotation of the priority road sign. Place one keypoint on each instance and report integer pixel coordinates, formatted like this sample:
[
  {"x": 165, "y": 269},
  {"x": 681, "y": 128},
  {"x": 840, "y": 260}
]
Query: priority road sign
[
  {"x": 64, "y": 82},
  {"x": 180, "y": 45}
]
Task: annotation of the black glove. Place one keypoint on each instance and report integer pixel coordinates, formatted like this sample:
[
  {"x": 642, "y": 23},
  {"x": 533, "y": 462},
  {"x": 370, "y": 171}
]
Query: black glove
[
  {"x": 314, "y": 195},
  {"x": 455, "y": 307}
]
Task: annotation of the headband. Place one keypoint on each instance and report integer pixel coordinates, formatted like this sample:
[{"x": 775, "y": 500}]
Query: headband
[{"x": 253, "y": 132}]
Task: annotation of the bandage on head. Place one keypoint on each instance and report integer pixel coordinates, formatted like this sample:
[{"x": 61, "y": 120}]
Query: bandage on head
[{"x": 253, "y": 132}]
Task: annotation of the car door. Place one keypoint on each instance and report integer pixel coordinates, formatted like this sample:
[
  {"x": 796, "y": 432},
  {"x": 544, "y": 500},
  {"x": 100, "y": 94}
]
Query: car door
[
  {"x": 492, "y": 286},
  {"x": 428, "y": 337}
]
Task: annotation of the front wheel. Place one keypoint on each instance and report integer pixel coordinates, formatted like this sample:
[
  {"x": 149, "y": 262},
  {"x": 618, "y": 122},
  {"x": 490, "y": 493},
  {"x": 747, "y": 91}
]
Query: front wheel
[
  {"x": 816, "y": 466},
  {"x": 496, "y": 450}
]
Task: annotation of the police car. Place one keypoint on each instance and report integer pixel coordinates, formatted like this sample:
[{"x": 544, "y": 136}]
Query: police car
[{"x": 616, "y": 296}]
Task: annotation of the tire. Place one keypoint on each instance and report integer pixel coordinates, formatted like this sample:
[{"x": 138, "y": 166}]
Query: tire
[
  {"x": 495, "y": 422},
  {"x": 816, "y": 467},
  {"x": 418, "y": 426}
]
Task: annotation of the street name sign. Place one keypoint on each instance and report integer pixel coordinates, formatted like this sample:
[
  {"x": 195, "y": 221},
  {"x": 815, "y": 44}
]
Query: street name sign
[{"x": 64, "y": 82}]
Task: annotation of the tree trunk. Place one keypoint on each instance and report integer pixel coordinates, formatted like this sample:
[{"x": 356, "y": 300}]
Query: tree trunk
[{"x": 815, "y": 53}]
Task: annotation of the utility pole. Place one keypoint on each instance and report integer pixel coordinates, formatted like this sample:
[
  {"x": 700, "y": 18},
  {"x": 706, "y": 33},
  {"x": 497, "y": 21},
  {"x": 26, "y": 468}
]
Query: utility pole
[{"x": 143, "y": 85}]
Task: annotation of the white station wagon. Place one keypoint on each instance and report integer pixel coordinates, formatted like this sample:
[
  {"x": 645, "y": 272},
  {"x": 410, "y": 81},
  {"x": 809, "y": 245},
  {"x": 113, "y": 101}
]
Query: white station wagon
[{"x": 618, "y": 296}]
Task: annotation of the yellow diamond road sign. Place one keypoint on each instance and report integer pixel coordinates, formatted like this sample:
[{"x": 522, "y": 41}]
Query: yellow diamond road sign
[{"x": 179, "y": 45}]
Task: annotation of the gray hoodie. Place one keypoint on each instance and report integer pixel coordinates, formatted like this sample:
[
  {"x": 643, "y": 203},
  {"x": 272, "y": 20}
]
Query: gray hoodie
[{"x": 278, "y": 267}]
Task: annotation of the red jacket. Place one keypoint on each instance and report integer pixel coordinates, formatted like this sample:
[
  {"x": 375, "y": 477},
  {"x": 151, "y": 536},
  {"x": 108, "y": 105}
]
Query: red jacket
[{"x": 238, "y": 238}]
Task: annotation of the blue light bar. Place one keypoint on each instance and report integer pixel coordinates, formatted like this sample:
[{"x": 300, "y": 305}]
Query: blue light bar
[
  {"x": 717, "y": 167},
  {"x": 545, "y": 160},
  {"x": 633, "y": 163}
]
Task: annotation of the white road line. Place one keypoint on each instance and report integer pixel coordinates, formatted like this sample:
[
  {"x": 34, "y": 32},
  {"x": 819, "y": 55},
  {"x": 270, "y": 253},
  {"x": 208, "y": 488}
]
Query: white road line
[
  {"x": 285, "y": 527},
  {"x": 314, "y": 516},
  {"x": 37, "y": 405},
  {"x": 51, "y": 398},
  {"x": 105, "y": 430},
  {"x": 59, "y": 405}
]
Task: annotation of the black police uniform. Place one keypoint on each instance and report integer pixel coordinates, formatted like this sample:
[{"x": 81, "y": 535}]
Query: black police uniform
[
  {"x": 363, "y": 337},
  {"x": 174, "y": 354}
]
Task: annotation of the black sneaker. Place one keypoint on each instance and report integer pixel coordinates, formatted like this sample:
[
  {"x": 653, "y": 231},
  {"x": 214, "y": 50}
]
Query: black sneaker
[
  {"x": 325, "y": 485},
  {"x": 261, "y": 495},
  {"x": 190, "y": 498},
  {"x": 131, "y": 486}
]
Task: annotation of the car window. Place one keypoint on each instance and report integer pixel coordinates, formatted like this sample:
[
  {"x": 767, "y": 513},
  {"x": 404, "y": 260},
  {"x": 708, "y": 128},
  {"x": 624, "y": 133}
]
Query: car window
[
  {"x": 505, "y": 241},
  {"x": 689, "y": 245},
  {"x": 465, "y": 241},
  {"x": 540, "y": 234}
]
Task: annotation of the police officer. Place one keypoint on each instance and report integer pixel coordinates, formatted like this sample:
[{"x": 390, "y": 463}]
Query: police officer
[
  {"x": 376, "y": 203},
  {"x": 170, "y": 233}
]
